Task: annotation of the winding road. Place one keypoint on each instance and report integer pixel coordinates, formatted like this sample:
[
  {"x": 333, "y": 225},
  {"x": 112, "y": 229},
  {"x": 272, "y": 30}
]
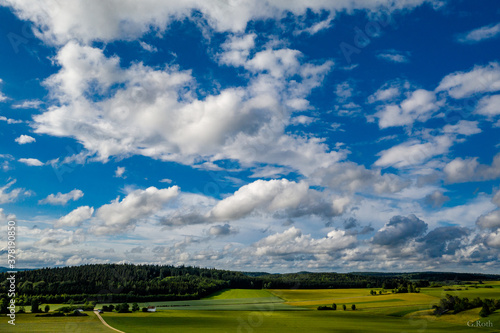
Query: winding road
[{"x": 104, "y": 322}]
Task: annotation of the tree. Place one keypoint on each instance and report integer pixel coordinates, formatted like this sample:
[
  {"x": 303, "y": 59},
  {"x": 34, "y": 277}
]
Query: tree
[
  {"x": 353, "y": 307},
  {"x": 485, "y": 311},
  {"x": 111, "y": 307},
  {"x": 135, "y": 307},
  {"x": 144, "y": 309},
  {"x": 4, "y": 303},
  {"x": 345, "y": 307},
  {"x": 35, "y": 306},
  {"x": 334, "y": 306},
  {"x": 122, "y": 308},
  {"x": 47, "y": 308}
]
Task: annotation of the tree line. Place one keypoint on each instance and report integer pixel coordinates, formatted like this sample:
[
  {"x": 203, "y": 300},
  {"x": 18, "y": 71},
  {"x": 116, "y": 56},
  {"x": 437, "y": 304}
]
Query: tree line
[{"x": 106, "y": 283}]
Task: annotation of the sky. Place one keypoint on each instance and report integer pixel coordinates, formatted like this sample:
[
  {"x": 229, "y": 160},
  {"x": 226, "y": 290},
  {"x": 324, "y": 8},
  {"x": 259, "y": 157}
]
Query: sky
[{"x": 276, "y": 136}]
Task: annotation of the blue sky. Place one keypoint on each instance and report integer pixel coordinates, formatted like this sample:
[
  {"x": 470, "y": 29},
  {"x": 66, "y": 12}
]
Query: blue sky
[{"x": 285, "y": 136}]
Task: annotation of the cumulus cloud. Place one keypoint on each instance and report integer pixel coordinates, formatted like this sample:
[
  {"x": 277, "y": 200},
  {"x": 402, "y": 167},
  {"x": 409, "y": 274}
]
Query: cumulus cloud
[
  {"x": 469, "y": 169},
  {"x": 419, "y": 106},
  {"x": 75, "y": 218},
  {"x": 59, "y": 22},
  {"x": 58, "y": 237},
  {"x": 478, "y": 80},
  {"x": 62, "y": 198},
  {"x": 221, "y": 230},
  {"x": 237, "y": 49},
  {"x": 245, "y": 124},
  {"x": 278, "y": 197},
  {"x": 414, "y": 152},
  {"x": 480, "y": 34},
  {"x": 120, "y": 216},
  {"x": 443, "y": 241},
  {"x": 400, "y": 230},
  {"x": 293, "y": 242},
  {"x": 436, "y": 199},
  {"x": 463, "y": 127},
  {"x": 23, "y": 139},
  {"x": 31, "y": 161},
  {"x": 119, "y": 172},
  {"x": 389, "y": 91},
  {"x": 489, "y": 106},
  {"x": 490, "y": 220},
  {"x": 351, "y": 177}
]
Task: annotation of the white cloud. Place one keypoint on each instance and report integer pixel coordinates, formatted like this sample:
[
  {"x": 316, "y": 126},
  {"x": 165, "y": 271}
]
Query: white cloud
[
  {"x": 166, "y": 180},
  {"x": 393, "y": 57},
  {"x": 318, "y": 26},
  {"x": 480, "y": 34},
  {"x": 32, "y": 104},
  {"x": 414, "y": 152},
  {"x": 6, "y": 217},
  {"x": 23, "y": 139},
  {"x": 10, "y": 121},
  {"x": 466, "y": 170},
  {"x": 245, "y": 124},
  {"x": 293, "y": 242},
  {"x": 419, "y": 106},
  {"x": 119, "y": 172},
  {"x": 277, "y": 197},
  {"x": 2, "y": 96},
  {"x": 31, "y": 161},
  {"x": 75, "y": 218},
  {"x": 119, "y": 216},
  {"x": 13, "y": 195},
  {"x": 384, "y": 94},
  {"x": 463, "y": 127},
  {"x": 148, "y": 47},
  {"x": 59, "y": 22},
  {"x": 489, "y": 106},
  {"x": 344, "y": 91},
  {"x": 62, "y": 199},
  {"x": 479, "y": 79},
  {"x": 237, "y": 49},
  {"x": 302, "y": 120}
]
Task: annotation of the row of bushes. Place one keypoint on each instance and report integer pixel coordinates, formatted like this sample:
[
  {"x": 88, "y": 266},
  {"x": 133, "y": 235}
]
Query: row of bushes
[{"x": 334, "y": 307}]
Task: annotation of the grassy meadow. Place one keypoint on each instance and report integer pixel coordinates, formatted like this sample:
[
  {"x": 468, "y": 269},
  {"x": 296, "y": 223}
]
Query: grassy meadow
[{"x": 280, "y": 310}]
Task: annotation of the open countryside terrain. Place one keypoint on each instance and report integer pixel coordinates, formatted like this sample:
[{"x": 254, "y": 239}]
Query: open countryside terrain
[{"x": 283, "y": 310}]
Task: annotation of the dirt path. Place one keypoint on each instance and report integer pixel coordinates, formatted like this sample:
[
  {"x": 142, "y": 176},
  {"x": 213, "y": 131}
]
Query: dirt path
[{"x": 105, "y": 323}]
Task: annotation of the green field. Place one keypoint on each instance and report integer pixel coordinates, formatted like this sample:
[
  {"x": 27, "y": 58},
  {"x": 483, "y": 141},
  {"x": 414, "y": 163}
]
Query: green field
[
  {"x": 278, "y": 310},
  {"x": 30, "y": 323},
  {"x": 240, "y": 293}
]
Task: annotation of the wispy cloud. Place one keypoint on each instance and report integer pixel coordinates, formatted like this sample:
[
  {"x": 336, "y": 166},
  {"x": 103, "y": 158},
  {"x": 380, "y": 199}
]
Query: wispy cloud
[
  {"x": 480, "y": 34},
  {"x": 62, "y": 198},
  {"x": 31, "y": 161},
  {"x": 393, "y": 56}
]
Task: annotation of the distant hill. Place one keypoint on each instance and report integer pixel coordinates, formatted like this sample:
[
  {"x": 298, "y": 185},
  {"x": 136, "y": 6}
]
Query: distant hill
[
  {"x": 5, "y": 269},
  {"x": 127, "y": 282}
]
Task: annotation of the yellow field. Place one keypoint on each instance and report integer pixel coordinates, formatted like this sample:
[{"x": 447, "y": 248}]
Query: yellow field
[{"x": 348, "y": 297}]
